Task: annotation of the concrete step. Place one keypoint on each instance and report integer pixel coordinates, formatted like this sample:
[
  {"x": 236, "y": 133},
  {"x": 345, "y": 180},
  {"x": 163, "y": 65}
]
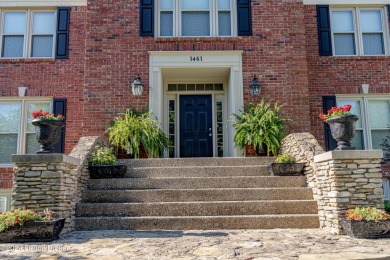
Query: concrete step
[
  {"x": 208, "y": 161},
  {"x": 196, "y": 171},
  {"x": 198, "y": 222},
  {"x": 182, "y": 195},
  {"x": 197, "y": 183},
  {"x": 214, "y": 208}
]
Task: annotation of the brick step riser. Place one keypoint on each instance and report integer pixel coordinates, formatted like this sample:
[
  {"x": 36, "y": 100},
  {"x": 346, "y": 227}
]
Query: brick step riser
[
  {"x": 190, "y": 223},
  {"x": 196, "y": 195},
  {"x": 196, "y": 183},
  {"x": 176, "y": 162},
  {"x": 196, "y": 209}
]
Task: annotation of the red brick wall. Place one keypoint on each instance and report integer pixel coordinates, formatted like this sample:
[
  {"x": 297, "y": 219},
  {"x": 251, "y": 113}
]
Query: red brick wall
[
  {"x": 106, "y": 53},
  {"x": 116, "y": 54},
  {"x": 386, "y": 170},
  {"x": 338, "y": 75},
  {"x": 58, "y": 78},
  {"x": 6, "y": 175}
]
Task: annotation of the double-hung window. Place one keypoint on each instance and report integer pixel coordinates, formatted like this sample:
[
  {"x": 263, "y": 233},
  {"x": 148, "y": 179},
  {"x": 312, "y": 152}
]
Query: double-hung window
[
  {"x": 359, "y": 31},
  {"x": 374, "y": 120},
  {"x": 200, "y": 18},
  {"x": 17, "y": 134},
  {"x": 27, "y": 34}
]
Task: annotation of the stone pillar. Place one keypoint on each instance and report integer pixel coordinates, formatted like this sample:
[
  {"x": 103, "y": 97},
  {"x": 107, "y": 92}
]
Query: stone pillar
[
  {"x": 346, "y": 179},
  {"x": 46, "y": 181}
]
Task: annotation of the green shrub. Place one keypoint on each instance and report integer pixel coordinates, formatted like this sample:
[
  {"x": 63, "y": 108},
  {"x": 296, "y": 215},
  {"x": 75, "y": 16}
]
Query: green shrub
[
  {"x": 17, "y": 217},
  {"x": 102, "y": 156},
  {"x": 285, "y": 158},
  {"x": 134, "y": 129},
  {"x": 261, "y": 126},
  {"x": 387, "y": 206},
  {"x": 366, "y": 214}
]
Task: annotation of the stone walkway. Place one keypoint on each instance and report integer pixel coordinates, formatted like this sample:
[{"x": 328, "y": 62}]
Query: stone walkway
[{"x": 207, "y": 244}]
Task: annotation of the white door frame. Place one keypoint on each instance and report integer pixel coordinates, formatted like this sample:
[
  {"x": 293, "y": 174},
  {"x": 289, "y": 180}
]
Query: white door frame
[{"x": 159, "y": 60}]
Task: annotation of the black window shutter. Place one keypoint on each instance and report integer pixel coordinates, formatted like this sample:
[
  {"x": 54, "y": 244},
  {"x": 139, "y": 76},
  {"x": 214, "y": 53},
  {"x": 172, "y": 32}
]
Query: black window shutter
[
  {"x": 244, "y": 17},
  {"x": 327, "y": 103},
  {"x": 388, "y": 11},
  {"x": 59, "y": 107},
  {"x": 324, "y": 30},
  {"x": 62, "y": 41},
  {"x": 146, "y": 18}
]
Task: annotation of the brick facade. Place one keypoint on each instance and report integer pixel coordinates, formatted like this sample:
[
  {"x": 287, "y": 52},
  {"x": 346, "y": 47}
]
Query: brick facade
[
  {"x": 106, "y": 53},
  {"x": 338, "y": 75}
]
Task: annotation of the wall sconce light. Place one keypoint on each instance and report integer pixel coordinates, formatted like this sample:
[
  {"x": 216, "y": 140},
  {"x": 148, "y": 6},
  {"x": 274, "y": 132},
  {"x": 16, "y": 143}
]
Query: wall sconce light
[
  {"x": 137, "y": 87},
  {"x": 255, "y": 87},
  {"x": 365, "y": 88},
  {"x": 22, "y": 91}
]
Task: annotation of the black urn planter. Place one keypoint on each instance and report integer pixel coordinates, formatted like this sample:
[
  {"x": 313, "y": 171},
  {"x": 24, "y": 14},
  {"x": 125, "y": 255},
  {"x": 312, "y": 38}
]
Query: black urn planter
[
  {"x": 342, "y": 129},
  {"x": 366, "y": 229},
  {"x": 107, "y": 171},
  {"x": 47, "y": 133},
  {"x": 33, "y": 231},
  {"x": 286, "y": 169}
]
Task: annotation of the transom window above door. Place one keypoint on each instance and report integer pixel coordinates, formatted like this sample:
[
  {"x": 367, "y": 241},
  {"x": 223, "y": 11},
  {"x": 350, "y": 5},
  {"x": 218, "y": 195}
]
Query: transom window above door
[{"x": 200, "y": 18}]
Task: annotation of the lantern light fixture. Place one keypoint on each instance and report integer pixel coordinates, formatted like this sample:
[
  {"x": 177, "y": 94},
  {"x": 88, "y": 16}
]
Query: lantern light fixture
[
  {"x": 137, "y": 87},
  {"x": 255, "y": 87}
]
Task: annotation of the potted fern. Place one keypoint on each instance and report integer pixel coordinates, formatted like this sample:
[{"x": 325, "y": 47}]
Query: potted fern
[
  {"x": 133, "y": 130},
  {"x": 261, "y": 126},
  {"x": 102, "y": 164},
  {"x": 285, "y": 165}
]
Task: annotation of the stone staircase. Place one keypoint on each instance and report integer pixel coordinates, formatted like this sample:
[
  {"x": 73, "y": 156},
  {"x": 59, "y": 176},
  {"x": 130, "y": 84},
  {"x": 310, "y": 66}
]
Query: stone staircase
[{"x": 197, "y": 193}]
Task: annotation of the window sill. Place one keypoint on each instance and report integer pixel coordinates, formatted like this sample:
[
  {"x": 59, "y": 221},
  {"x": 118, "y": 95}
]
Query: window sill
[
  {"x": 197, "y": 39},
  {"x": 381, "y": 57},
  {"x": 27, "y": 60},
  {"x": 5, "y": 166}
]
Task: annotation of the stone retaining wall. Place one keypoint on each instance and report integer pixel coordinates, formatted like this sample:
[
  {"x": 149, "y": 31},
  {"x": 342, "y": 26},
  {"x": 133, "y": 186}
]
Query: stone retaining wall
[
  {"x": 303, "y": 147},
  {"x": 346, "y": 179},
  {"x": 53, "y": 181}
]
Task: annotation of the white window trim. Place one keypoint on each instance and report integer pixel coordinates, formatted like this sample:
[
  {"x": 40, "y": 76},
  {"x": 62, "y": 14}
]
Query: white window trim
[
  {"x": 364, "y": 115},
  {"x": 7, "y": 195},
  {"x": 21, "y": 144},
  {"x": 386, "y": 189},
  {"x": 27, "y": 45},
  {"x": 358, "y": 35},
  {"x": 213, "y": 9},
  {"x": 44, "y": 3}
]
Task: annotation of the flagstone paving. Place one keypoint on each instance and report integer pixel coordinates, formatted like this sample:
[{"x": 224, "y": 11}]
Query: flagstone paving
[{"x": 306, "y": 244}]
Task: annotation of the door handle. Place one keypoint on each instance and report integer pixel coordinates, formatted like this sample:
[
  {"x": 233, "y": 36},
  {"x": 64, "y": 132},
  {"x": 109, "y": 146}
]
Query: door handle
[
  {"x": 210, "y": 129},
  {"x": 210, "y": 134}
]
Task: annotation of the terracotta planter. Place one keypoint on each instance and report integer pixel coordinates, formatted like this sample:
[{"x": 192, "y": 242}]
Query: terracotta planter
[
  {"x": 366, "y": 229},
  {"x": 342, "y": 129},
  {"x": 33, "y": 231},
  {"x": 107, "y": 171},
  {"x": 47, "y": 133},
  {"x": 286, "y": 169}
]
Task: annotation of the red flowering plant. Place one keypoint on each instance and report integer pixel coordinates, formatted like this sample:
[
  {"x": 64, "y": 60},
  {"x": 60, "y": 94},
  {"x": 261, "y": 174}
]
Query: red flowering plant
[
  {"x": 46, "y": 115},
  {"x": 20, "y": 216},
  {"x": 337, "y": 111},
  {"x": 367, "y": 214}
]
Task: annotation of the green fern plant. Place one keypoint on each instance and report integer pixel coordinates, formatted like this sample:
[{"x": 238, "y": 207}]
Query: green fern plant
[
  {"x": 134, "y": 129},
  {"x": 260, "y": 125}
]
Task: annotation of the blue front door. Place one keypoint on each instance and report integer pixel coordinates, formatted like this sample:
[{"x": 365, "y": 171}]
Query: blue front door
[{"x": 196, "y": 126}]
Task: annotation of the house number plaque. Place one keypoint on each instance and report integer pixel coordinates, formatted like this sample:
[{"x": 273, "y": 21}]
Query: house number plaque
[{"x": 196, "y": 58}]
